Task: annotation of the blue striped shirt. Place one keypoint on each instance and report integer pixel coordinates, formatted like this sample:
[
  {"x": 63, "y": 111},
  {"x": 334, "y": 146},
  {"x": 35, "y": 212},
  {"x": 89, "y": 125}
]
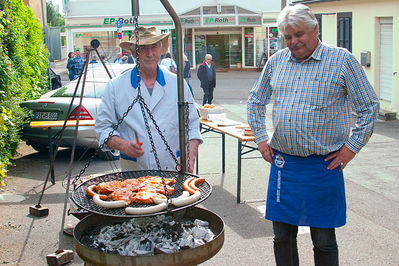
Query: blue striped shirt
[{"x": 313, "y": 101}]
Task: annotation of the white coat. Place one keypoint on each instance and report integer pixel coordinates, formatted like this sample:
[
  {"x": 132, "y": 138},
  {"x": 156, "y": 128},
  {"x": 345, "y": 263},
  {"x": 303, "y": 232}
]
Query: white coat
[{"x": 163, "y": 105}]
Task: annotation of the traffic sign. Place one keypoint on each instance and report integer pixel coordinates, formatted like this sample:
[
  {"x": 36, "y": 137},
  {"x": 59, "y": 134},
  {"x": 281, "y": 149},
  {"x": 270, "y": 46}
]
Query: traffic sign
[
  {"x": 119, "y": 24},
  {"x": 119, "y": 35}
]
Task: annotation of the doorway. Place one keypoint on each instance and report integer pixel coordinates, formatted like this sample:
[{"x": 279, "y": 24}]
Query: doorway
[
  {"x": 217, "y": 46},
  {"x": 386, "y": 59}
]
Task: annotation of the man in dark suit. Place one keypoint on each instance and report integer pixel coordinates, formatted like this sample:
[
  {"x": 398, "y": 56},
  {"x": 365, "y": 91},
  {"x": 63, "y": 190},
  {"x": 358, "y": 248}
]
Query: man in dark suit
[{"x": 207, "y": 76}]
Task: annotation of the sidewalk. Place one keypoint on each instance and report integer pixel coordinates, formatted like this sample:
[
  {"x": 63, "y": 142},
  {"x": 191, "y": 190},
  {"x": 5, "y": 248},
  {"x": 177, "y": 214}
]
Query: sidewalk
[{"x": 59, "y": 67}]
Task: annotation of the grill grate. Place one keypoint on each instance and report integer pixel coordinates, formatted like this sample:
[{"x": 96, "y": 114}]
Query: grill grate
[{"x": 81, "y": 199}]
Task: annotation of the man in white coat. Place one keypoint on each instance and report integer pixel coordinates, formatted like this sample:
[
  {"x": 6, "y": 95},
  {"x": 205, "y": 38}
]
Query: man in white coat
[{"x": 159, "y": 90}]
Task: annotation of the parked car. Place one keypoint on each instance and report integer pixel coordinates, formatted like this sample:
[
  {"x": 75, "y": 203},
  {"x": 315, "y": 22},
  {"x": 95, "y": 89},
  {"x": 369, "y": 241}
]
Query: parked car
[{"x": 54, "y": 105}]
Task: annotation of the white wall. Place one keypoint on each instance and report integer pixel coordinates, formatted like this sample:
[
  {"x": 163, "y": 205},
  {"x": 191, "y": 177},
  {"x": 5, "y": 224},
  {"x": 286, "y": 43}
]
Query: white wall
[{"x": 152, "y": 7}]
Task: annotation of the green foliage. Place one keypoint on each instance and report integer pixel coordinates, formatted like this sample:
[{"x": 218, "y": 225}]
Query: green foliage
[
  {"x": 54, "y": 18},
  {"x": 23, "y": 71}
]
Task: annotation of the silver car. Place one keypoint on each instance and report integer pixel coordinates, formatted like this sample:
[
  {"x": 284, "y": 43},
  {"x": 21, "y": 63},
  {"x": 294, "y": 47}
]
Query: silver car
[{"x": 54, "y": 105}]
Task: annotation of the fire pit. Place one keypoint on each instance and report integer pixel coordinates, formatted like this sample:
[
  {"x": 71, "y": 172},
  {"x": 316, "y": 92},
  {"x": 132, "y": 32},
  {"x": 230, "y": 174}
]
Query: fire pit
[{"x": 191, "y": 256}]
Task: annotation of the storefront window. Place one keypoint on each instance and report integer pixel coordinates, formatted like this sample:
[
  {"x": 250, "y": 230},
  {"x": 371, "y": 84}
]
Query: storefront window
[
  {"x": 224, "y": 48},
  {"x": 200, "y": 48},
  {"x": 188, "y": 45},
  {"x": 249, "y": 46},
  {"x": 235, "y": 51},
  {"x": 274, "y": 42}
]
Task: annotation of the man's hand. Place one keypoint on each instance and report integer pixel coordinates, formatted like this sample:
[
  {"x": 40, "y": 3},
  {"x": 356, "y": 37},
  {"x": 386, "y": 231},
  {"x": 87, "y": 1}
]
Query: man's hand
[
  {"x": 128, "y": 147},
  {"x": 193, "y": 149},
  {"x": 340, "y": 158},
  {"x": 266, "y": 151}
]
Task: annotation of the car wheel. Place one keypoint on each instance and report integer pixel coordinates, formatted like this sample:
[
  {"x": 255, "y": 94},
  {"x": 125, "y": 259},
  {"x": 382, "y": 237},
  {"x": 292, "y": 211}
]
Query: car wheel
[
  {"x": 40, "y": 147},
  {"x": 111, "y": 155}
]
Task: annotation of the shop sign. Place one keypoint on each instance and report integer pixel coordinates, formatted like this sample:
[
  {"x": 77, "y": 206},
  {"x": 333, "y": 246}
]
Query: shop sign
[
  {"x": 249, "y": 35},
  {"x": 111, "y": 21},
  {"x": 219, "y": 20},
  {"x": 269, "y": 20},
  {"x": 91, "y": 35},
  {"x": 192, "y": 21},
  {"x": 249, "y": 20}
]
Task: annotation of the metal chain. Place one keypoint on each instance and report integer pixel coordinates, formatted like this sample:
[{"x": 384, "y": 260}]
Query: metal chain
[
  {"x": 145, "y": 110},
  {"x": 115, "y": 127},
  {"x": 111, "y": 134},
  {"x": 148, "y": 111},
  {"x": 186, "y": 124}
]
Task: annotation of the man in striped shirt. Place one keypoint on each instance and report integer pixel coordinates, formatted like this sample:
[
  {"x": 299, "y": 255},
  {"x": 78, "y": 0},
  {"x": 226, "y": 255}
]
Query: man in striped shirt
[{"x": 314, "y": 88}]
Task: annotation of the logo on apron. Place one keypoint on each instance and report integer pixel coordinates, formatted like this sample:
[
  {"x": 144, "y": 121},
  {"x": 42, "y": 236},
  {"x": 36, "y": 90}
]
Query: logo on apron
[{"x": 279, "y": 161}]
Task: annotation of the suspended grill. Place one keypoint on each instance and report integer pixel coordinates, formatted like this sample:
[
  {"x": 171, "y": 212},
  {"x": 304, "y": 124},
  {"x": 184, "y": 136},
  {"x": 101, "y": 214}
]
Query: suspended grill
[{"x": 81, "y": 199}]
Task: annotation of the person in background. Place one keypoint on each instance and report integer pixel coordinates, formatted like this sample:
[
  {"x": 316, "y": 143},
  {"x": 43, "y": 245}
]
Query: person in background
[
  {"x": 130, "y": 59},
  {"x": 124, "y": 59},
  {"x": 94, "y": 59},
  {"x": 169, "y": 63},
  {"x": 186, "y": 72},
  {"x": 207, "y": 75},
  {"x": 314, "y": 88},
  {"x": 118, "y": 59},
  {"x": 158, "y": 87},
  {"x": 78, "y": 63},
  {"x": 70, "y": 66}
]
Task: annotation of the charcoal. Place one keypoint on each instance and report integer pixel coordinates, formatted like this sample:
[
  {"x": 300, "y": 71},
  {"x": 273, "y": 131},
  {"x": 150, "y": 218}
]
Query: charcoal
[{"x": 149, "y": 236}]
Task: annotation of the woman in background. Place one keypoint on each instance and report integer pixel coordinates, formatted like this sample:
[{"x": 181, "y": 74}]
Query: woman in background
[
  {"x": 186, "y": 72},
  {"x": 70, "y": 66}
]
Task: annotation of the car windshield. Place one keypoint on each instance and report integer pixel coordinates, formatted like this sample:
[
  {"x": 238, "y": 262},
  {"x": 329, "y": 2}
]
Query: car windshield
[{"x": 91, "y": 90}]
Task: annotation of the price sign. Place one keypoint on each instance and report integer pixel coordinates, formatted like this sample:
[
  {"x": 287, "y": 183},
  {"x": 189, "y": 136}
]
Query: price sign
[{"x": 119, "y": 35}]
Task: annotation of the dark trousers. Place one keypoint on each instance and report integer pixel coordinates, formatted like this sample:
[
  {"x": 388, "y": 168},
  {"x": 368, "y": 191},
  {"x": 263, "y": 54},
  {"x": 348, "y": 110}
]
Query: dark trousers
[
  {"x": 325, "y": 247},
  {"x": 208, "y": 95}
]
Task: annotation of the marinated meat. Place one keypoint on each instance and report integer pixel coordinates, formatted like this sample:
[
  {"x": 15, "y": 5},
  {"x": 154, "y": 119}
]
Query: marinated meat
[
  {"x": 146, "y": 197},
  {"x": 143, "y": 189},
  {"x": 123, "y": 193},
  {"x": 108, "y": 187}
]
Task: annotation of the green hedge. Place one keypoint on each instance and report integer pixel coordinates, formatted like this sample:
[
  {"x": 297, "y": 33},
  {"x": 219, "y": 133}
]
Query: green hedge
[{"x": 23, "y": 72}]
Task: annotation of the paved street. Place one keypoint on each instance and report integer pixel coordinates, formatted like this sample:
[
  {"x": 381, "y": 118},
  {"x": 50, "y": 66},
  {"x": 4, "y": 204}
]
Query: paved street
[{"x": 370, "y": 237}]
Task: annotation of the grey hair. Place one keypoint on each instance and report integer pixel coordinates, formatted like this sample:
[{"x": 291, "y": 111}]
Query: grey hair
[
  {"x": 293, "y": 15},
  {"x": 208, "y": 56}
]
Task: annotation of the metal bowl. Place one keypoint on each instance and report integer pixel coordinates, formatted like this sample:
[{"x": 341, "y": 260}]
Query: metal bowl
[{"x": 186, "y": 257}]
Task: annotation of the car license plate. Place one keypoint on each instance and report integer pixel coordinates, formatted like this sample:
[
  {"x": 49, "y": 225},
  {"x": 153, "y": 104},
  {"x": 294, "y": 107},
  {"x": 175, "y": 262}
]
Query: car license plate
[{"x": 45, "y": 116}]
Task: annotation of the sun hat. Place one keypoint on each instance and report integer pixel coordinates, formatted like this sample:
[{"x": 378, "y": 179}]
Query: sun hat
[{"x": 147, "y": 36}]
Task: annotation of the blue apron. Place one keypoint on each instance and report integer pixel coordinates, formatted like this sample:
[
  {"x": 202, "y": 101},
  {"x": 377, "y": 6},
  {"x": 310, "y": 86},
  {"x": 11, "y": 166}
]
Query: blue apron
[{"x": 303, "y": 192}]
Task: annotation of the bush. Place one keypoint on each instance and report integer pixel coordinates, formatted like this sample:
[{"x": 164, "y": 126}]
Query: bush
[{"x": 23, "y": 72}]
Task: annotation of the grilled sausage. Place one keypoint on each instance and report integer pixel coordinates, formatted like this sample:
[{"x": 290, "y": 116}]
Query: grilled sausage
[
  {"x": 187, "y": 200},
  {"x": 90, "y": 192},
  {"x": 185, "y": 194},
  {"x": 108, "y": 204},
  {"x": 193, "y": 183},
  {"x": 187, "y": 187},
  {"x": 147, "y": 210}
]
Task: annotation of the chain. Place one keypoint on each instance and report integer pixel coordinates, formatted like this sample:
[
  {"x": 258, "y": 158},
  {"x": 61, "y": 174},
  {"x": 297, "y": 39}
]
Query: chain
[
  {"x": 186, "y": 121},
  {"x": 145, "y": 111},
  {"x": 115, "y": 127},
  {"x": 111, "y": 134}
]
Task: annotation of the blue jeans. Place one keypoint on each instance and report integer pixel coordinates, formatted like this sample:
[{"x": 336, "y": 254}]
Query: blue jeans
[{"x": 325, "y": 247}]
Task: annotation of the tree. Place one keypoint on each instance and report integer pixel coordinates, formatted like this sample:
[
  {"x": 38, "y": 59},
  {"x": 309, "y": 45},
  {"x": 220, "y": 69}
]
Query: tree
[
  {"x": 23, "y": 72},
  {"x": 54, "y": 18}
]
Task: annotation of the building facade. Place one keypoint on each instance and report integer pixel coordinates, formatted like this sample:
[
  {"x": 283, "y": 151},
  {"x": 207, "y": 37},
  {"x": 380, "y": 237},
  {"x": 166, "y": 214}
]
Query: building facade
[
  {"x": 367, "y": 29},
  {"x": 237, "y": 33}
]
